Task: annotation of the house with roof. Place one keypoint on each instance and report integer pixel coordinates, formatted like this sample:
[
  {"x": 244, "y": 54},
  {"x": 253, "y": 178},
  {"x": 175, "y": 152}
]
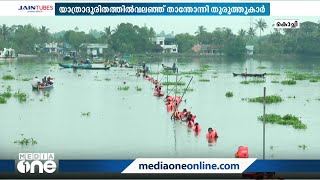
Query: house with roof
[
  {"x": 206, "y": 49},
  {"x": 250, "y": 50},
  {"x": 93, "y": 49},
  {"x": 51, "y": 48},
  {"x": 165, "y": 45}
]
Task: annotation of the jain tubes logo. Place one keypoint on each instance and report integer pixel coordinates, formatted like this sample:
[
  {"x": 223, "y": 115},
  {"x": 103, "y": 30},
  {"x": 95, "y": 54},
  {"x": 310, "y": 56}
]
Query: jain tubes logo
[{"x": 29, "y": 162}]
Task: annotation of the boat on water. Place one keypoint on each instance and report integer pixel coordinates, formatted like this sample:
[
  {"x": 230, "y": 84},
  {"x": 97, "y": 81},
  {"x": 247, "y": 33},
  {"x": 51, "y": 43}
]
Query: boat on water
[
  {"x": 84, "y": 66},
  {"x": 41, "y": 86},
  {"x": 249, "y": 75}
]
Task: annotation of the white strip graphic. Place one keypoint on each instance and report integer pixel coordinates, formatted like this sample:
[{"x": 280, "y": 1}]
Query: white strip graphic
[
  {"x": 189, "y": 165},
  {"x": 27, "y": 8}
]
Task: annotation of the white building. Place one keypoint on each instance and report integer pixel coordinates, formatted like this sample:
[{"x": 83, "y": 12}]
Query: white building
[
  {"x": 95, "y": 50},
  {"x": 51, "y": 48},
  {"x": 167, "y": 44},
  {"x": 250, "y": 50},
  {"x": 7, "y": 53}
]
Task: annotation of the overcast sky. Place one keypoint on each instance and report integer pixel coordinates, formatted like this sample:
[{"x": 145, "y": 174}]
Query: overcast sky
[{"x": 168, "y": 24}]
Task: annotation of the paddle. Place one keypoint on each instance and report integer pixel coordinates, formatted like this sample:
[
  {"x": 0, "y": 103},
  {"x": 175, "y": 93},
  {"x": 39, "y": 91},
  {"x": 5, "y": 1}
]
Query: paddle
[
  {"x": 175, "y": 108},
  {"x": 172, "y": 89}
]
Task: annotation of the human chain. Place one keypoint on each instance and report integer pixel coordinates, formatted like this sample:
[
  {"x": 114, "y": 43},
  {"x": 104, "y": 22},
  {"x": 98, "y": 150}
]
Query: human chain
[{"x": 162, "y": 9}]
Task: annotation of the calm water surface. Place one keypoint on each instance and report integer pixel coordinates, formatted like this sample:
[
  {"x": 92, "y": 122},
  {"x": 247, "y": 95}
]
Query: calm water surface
[{"x": 131, "y": 124}]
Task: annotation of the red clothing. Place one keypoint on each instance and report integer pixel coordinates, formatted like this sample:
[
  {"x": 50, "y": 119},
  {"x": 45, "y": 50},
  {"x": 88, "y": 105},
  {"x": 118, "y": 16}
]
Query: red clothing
[
  {"x": 198, "y": 129},
  {"x": 190, "y": 124},
  {"x": 242, "y": 152},
  {"x": 213, "y": 134}
]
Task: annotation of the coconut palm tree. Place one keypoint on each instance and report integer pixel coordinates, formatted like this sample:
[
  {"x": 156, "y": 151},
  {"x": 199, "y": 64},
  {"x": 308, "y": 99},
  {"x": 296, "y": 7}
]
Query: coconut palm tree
[
  {"x": 201, "y": 32},
  {"x": 261, "y": 25},
  {"x": 242, "y": 33},
  {"x": 251, "y": 33}
]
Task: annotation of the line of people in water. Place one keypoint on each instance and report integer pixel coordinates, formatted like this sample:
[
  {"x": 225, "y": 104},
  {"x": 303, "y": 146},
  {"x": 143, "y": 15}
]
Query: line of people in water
[{"x": 172, "y": 104}]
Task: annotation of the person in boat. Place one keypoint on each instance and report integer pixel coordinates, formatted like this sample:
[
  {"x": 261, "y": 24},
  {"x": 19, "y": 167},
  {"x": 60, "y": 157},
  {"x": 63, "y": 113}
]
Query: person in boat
[
  {"x": 49, "y": 80},
  {"x": 246, "y": 72},
  {"x": 143, "y": 66},
  {"x": 212, "y": 134},
  {"x": 44, "y": 80},
  {"x": 174, "y": 66},
  {"x": 75, "y": 62},
  {"x": 88, "y": 61},
  {"x": 36, "y": 82}
]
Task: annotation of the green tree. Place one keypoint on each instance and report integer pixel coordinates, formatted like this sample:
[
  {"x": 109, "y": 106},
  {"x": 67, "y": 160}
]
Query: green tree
[
  {"x": 261, "y": 25},
  {"x": 4, "y": 31},
  {"x": 185, "y": 42}
]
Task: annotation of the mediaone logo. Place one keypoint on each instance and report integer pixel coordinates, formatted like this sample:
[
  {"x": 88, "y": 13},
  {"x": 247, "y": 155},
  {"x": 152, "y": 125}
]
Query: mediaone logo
[
  {"x": 29, "y": 161},
  {"x": 36, "y": 8}
]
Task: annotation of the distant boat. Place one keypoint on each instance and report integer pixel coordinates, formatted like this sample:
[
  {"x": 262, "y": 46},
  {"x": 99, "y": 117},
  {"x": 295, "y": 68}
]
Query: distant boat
[
  {"x": 41, "y": 86},
  {"x": 250, "y": 75},
  {"x": 83, "y": 66}
]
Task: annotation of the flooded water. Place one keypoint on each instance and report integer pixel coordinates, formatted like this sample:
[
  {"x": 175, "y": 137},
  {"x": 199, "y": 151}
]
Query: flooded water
[{"x": 132, "y": 124}]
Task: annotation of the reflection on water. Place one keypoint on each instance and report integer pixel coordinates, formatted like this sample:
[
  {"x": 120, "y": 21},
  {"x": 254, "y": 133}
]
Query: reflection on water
[{"x": 131, "y": 124}]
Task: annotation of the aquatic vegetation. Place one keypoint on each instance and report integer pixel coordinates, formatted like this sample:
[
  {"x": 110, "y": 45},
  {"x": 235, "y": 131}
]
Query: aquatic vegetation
[
  {"x": 269, "y": 99},
  {"x": 169, "y": 73},
  {"x": 85, "y": 113},
  {"x": 2, "y": 100},
  {"x": 51, "y": 63},
  {"x": 26, "y": 79},
  {"x": 107, "y": 79},
  {"x": 9, "y": 89},
  {"x": 303, "y": 146},
  {"x": 254, "y": 81},
  {"x": 214, "y": 76},
  {"x": 245, "y": 82},
  {"x": 313, "y": 80},
  {"x": 229, "y": 94},
  {"x": 205, "y": 66},
  {"x": 261, "y": 67},
  {"x": 46, "y": 94},
  {"x": 187, "y": 76},
  {"x": 138, "y": 88},
  {"x": 8, "y": 77},
  {"x": 288, "y": 82},
  {"x": 173, "y": 83},
  {"x": 26, "y": 141},
  {"x": 297, "y": 76},
  {"x": 197, "y": 72},
  {"x": 6, "y": 94},
  {"x": 288, "y": 120},
  {"x": 123, "y": 88},
  {"x": 189, "y": 89},
  {"x": 22, "y": 97},
  {"x": 204, "y": 80},
  {"x": 79, "y": 74},
  {"x": 275, "y": 81}
]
